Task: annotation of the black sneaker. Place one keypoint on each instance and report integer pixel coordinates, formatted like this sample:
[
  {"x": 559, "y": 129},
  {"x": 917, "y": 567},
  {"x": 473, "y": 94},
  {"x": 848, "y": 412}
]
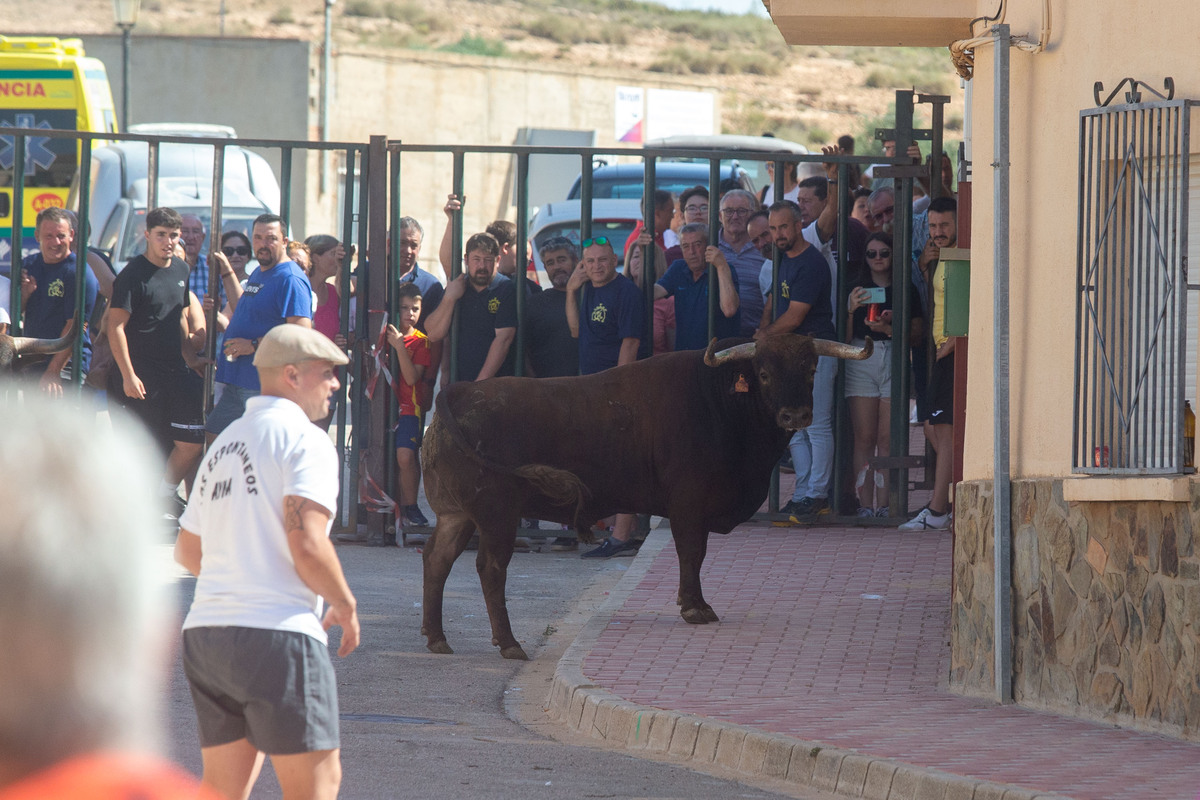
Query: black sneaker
[
  {"x": 564, "y": 544},
  {"x": 807, "y": 508},
  {"x": 530, "y": 525},
  {"x": 611, "y": 547}
]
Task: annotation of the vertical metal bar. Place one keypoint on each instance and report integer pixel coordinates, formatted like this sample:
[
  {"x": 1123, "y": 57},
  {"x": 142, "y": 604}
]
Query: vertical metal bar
[
  {"x": 214, "y": 279},
  {"x": 1124, "y": 296},
  {"x": 285, "y": 186},
  {"x": 348, "y": 473},
  {"x": 842, "y": 446},
  {"x": 456, "y": 256},
  {"x": 391, "y": 310},
  {"x": 649, "y": 273},
  {"x": 152, "y": 174},
  {"x": 936, "y": 145},
  {"x": 902, "y": 300},
  {"x": 1082, "y": 246},
  {"x": 1001, "y": 492},
  {"x": 522, "y": 257},
  {"x": 1180, "y": 242},
  {"x": 714, "y": 194},
  {"x": 16, "y": 307},
  {"x": 776, "y": 258},
  {"x": 1101, "y": 437},
  {"x": 81, "y": 266},
  {"x": 585, "y": 198}
]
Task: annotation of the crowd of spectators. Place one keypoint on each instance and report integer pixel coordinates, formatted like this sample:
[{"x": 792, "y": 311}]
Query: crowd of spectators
[{"x": 775, "y": 262}]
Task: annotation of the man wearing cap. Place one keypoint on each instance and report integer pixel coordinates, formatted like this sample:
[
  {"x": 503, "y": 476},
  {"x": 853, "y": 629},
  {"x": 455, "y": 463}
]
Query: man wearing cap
[{"x": 255, "y": 533}]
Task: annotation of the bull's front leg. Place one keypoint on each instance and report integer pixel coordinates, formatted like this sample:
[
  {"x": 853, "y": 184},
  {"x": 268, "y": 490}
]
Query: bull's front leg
[
  {"x": 495, "y": 552},
  {"x": 691, "y": 546},
  {"x": 449, "y": 539}
]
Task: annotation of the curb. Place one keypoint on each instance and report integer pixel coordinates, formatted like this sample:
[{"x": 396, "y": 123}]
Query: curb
[{"x": 598, "y": 713}]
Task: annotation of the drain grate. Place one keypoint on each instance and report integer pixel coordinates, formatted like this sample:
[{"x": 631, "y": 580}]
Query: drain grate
[{"x": 393, "y": 719}]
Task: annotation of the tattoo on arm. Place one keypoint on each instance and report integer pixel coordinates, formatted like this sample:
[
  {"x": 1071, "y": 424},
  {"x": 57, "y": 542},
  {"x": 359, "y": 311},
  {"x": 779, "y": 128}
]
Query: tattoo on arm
[{"x": 292, "y": 506}]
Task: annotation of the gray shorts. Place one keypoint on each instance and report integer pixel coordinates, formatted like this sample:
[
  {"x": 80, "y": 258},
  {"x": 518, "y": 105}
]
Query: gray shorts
[{"x": 276, "y": 689}]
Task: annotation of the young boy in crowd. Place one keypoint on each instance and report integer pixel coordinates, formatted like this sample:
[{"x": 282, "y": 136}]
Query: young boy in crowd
[{"x": 412, "y": 353}]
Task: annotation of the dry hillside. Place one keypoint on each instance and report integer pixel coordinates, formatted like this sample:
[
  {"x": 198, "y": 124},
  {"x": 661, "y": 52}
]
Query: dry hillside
[{"x": 810, "y": 94}]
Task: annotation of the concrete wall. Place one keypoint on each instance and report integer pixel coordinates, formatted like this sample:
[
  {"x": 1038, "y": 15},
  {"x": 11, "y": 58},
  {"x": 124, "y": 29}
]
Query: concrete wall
[{"x": 262, "y": 87}]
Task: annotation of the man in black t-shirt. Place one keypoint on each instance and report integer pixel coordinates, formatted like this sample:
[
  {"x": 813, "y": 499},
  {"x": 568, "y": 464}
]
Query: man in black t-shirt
[
  {"x": 550, "y": 350},
  {"x": 487, "y": 313},
  {"x": 148, "y": 325}
]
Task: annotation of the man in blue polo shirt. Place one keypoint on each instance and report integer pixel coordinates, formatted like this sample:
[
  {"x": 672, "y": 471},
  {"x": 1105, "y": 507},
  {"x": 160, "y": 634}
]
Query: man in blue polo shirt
[
  {"x": 805, "y": 307},
  {"x": 276, "y": 292},
  {"x": 48, "y": 295},
  {"x": 687, "y": 281}
]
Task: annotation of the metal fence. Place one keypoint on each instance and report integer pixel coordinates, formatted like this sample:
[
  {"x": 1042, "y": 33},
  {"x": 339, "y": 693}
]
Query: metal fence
[
  {"x": 1131, "y": 317},
  {"x": 374, "y": 172}
]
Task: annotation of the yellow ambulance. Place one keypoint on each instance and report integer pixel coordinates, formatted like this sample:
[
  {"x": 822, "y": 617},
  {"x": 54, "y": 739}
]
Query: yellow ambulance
[{"x": 46, "y": 83}]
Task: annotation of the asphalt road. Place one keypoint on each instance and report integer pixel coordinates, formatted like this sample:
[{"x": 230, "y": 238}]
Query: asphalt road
[{"x": 418, "y": 725}]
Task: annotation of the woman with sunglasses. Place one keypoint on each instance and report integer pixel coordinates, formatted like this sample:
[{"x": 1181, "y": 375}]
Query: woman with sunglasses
[
  {"x": 326, "y": 255},
  {"x": 235, "y": 252},
  {"x": 869, "y": 382}
]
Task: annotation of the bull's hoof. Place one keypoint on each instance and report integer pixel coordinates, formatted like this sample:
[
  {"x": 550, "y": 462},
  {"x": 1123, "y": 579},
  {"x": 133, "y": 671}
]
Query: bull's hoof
[
  {"x": 514, "y": 652},
  {"x": 442, "y": 648},
  {"x": 709, "y": 614},
  {"x": 696, "y": 616}
]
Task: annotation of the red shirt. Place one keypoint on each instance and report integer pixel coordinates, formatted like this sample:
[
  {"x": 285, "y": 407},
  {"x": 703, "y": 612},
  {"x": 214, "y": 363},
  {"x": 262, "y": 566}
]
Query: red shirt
[{"x": 417, "y": 345}]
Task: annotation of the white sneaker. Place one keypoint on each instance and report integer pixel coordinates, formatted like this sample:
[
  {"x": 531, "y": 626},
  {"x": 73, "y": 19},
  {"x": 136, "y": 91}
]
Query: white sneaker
[
  {"x": 865, "y": 512},
  {"x": 926, "y": 520}
]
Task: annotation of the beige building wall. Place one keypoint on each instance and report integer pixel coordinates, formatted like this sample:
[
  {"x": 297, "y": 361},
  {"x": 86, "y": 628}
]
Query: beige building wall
[
  {"x": 1089, "y": 42},
  {"x": 443, "y": 98}
]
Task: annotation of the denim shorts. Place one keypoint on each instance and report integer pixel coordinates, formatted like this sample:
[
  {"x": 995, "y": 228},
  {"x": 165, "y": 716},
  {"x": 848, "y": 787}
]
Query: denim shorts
[{"x": 230, "y": 406}]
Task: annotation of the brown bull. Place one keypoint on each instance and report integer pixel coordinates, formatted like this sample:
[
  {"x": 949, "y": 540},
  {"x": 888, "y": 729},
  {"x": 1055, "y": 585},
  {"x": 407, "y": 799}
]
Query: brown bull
[{"x": 690, "y": 436}]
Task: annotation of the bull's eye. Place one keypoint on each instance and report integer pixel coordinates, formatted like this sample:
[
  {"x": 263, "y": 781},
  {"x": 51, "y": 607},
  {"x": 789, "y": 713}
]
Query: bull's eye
[{"x": 763, "y": 377}]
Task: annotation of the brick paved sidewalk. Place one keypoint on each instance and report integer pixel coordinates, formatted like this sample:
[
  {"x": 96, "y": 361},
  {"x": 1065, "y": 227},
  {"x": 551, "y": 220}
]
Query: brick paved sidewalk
[{"x": 839, "y": 637}]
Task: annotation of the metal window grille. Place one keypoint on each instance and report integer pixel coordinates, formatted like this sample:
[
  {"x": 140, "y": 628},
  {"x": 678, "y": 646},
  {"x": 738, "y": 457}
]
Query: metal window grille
[{"x": 1131, "y": 312}]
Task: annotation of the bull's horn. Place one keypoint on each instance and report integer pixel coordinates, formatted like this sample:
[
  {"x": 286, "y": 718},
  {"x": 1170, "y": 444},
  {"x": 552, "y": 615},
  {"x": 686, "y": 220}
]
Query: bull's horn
[
  {"x": 825, "y": 347},
  {"x": 736, "y": 353},
  {"x": 26, "y": 346}
]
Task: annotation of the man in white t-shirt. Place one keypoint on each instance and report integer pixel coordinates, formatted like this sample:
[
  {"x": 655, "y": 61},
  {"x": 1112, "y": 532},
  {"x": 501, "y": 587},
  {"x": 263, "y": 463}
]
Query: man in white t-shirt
[{"x": 255, "y": 533}]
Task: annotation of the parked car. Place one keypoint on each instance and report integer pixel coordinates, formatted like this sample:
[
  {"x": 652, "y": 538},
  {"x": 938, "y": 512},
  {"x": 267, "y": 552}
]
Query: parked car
[
  {"x": 753, "y": 148},
  {"x": 119, "y": 184},
  {"x": 613, "y": 218},
  {"x": 626, "y": 181}
]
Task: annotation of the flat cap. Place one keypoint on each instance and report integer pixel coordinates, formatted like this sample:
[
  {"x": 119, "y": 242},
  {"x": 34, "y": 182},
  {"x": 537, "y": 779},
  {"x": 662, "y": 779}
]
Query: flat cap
[{"x": 291, "y": 344}]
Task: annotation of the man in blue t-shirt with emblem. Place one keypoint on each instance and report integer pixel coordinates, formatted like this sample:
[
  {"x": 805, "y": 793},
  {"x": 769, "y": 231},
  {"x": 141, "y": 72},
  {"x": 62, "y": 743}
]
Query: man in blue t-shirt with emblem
[
  {"x": 687, "y": 281},
  {"x": 805, "y": 307},
  {"x": 613, "y": 324},
  {"x": 611, "y": 330},
  {"x": 276, "y": 292},
  {"x": 48, "y": 295}
]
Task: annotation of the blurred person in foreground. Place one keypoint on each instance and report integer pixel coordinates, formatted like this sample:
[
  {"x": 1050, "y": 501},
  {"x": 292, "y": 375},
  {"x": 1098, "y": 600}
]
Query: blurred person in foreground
[
  {"x": 83, "y": 613},
  {"x": 255, "y": 534}
]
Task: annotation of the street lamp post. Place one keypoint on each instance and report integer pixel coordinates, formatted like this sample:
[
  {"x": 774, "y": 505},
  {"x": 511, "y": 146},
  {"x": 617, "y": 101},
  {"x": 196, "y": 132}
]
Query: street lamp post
[{"x": 125, "y": 13}]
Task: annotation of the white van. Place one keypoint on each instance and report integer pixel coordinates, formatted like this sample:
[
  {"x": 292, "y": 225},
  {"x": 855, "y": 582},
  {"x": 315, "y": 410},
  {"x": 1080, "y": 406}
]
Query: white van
[{"x": 119, "y": 191}]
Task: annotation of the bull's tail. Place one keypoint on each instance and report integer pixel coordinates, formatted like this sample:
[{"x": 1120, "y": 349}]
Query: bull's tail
[{"x": 562, "y": 487}]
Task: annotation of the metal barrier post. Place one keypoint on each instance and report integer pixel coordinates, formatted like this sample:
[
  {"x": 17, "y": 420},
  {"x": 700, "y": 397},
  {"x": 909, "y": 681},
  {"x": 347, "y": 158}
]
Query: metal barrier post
[
  {"x": 285, "y": 187},
  {"x": 16, "y": 307},
  {"x": 522, "y": 258},
  {"x": 214, "y": 280},
  {"x": 776, "y": 258},
  {"x": 714, "y": 289},
  {"x": 456, "y": 257},
  {"x": 81, "y": 265},
  {"x": 841, "y": 453},
  {"x": 151, "y": 175},
  {"x": 348, "y": 474},
  {"x": 650, "y": 274},
  {"x": 376, "y": 230}
]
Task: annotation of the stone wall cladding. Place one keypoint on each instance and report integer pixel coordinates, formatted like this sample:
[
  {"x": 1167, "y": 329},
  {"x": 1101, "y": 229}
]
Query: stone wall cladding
[{"x": 1106, "y": 605}]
